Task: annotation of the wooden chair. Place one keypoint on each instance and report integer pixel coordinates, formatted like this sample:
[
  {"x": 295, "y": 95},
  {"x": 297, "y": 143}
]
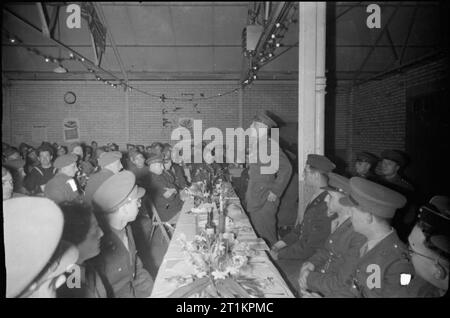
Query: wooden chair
[{"x": 165, "y": 227}]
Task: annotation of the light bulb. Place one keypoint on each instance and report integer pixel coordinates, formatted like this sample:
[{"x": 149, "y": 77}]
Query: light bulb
[
  {"x": 71, "y": 55},
  {"x": 12, "y": 40},
  {"x": 277, "y": 25},
  {"x": 277, "y": 45},
  {"x": 254, "y": 77},
  {"x": 82, "y": 59},
  {"x": 47, "y": 59},
  {"x": 273, "y": 36}
]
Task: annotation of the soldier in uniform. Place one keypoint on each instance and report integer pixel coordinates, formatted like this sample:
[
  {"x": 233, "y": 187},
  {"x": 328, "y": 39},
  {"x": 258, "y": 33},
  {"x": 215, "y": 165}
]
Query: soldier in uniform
[
  {"x": 62, "y": 187},
  {"x": 163, "y": 192},
  {"x": 264, "y": 190},
  {"x": 326, "y": 271},
  {"x": 301, "y": 243},
  {"x": 110, "y": 165},
  {"x": 365, "y": 164},
  {"x": 429, "y": 248},
  {"x": 38, "y": 177},
  {"x": 392, "y": 162},
  {"x": 383, "y": 268},
  {"x": 35, "y": 256},
  {"x": 117, "y": 202}
]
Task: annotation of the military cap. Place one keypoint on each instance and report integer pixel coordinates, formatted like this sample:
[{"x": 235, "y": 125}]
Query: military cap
[
  {"x": 65, "y": 160},
  {"x": 373, "y": 197},
  {"x": 32, "y": 229},
  {"x": 442, "y": 203},
  {"x": 263, "y": 117},
  {"x": 14, "y": 164},
  {"x": 367, "y": 157},
  {"x": 133, "y": 153},
  {"x": 337, "y": 183},
  {"x": 10, "y": 151},
  {"x": 394, "y": 155},
  {"x": 106, "y": 158},
  {"x": 152, "y": 158},
  {"x": 116, "y": 191},
  {"x": 320, "y": 163}
]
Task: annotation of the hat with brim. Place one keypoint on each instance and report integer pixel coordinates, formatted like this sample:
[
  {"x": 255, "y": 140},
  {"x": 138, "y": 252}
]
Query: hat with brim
[
  {"x": 32, "y": 230},
  {"x": 109, "y": 157},
  {"x": 373, "y": 197},
  {"x": 65, "y": 160},
  {"x": 337, "y": 183},
  {"x": 394, "y": 155},
  {"x": 365, "y": 156},
  {"x": 117, "y": 191},
  {"x": 320, "y": 163},
  {"x": 154, "y": 158},
  {"x": 14, "y": 164}
]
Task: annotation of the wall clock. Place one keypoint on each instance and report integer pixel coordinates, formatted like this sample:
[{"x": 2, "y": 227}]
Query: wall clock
[{"x": 70, "y": 98}]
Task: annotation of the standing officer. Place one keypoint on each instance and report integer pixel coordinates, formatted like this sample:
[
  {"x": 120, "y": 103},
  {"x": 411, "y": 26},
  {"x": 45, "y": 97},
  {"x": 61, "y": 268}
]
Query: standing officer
[
  {"x": 110, "y": 165},
  {"x": 383, "y": 268},
  {"x": 301, "y": 243},
  {"x": 62, "y": 187},
  {"x": 264, "y": 190},
  {"x": 324, "y": 272},
  {"x": 117, "y": 201}
]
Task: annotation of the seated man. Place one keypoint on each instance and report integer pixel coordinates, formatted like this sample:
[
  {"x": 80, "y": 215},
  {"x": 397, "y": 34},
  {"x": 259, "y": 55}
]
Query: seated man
[
  {"x": 62, "y": 187},
  {"x": 117, "y": 203},
  {"x": 38, "y": 177},
  {"x": 300, "y": 244},
  {"x": 35, "y": 256},
  {"x": 174, "y": 172},
  {"x": 8, "y": 186},
  {"x": 383, "y": 268},
  {"x": 138, "y": 167},
  {"x": 82, "y": 230},
  {"x": 164, "y": 193},
  {"x": 429, "y": 247},
  {"x": 328, "y": 269},
  {"x": 365, "y": 165}
]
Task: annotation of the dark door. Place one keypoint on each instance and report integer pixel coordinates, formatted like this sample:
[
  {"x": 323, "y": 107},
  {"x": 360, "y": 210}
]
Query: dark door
[{"x": 428, "y": 142}]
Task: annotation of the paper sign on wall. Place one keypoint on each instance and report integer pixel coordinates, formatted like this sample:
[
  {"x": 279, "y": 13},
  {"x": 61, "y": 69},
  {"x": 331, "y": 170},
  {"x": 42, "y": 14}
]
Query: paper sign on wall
[{"x": 71, "y": 129}]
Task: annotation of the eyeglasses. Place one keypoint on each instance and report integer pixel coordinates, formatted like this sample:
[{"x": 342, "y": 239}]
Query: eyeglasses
[{"x": 411, "y": 251}]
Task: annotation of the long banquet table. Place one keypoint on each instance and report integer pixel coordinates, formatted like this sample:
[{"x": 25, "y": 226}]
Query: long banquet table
[{"x": 188, "y": 225}]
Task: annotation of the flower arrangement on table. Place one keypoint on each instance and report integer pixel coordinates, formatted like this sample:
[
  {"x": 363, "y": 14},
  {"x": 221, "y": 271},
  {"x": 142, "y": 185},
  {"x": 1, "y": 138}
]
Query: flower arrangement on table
[{"x": 219, "y": 262}]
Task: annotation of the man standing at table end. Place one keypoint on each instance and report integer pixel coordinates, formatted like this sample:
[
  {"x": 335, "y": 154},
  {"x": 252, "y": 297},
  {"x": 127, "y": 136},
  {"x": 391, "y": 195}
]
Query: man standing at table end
[{"x": 265, "y": 189}]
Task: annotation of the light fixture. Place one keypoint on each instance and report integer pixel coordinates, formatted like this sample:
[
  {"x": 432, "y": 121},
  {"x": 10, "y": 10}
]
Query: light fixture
[
  {"x": 254, "y": 76},
  {"x": 278, "y": 45},
  {"x": 71, "y": 55},
  {"x": 60, "y": 69},
  {"x": 82, "y": 59},
  {"x": 47, "y": 59},
  {"x": 12, "y": 40}
]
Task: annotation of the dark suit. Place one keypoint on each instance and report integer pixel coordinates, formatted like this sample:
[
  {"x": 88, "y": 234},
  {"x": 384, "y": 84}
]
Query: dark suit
[
  {"x": 334, "y": 261},
  {"x": 305, "y": 239},
  {"x": 262, "y": 212},
  {"x": 120, "y": 268}
]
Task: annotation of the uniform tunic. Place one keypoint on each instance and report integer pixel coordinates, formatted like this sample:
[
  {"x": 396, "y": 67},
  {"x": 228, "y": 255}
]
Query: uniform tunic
[
  {"x": 62, "y": 188},
  {"x": 311, "y": 234},
  {"x": 333, "y": 263},
  {"x": 37, "y": 177},
  {"x": 378, "y": 272},
  {"x": 167, "y": 207},
  {"x": 120, "y": 268},
  {"x": 262, "y": 212}
]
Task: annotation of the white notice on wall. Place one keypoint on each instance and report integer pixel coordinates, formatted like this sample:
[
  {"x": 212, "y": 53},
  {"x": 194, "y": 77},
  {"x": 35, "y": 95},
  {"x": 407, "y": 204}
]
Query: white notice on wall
[
  {"x": 71, "y": 129},
  {"x": 38, "y": 134}
]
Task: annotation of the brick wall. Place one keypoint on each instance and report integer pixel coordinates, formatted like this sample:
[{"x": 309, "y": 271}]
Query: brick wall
[
  {"x": 105, "y": 117},
  {"x": 372, "y": 116}
]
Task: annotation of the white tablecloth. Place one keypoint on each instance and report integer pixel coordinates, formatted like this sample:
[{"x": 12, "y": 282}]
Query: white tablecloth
[{"x": 189, "y": 224}]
